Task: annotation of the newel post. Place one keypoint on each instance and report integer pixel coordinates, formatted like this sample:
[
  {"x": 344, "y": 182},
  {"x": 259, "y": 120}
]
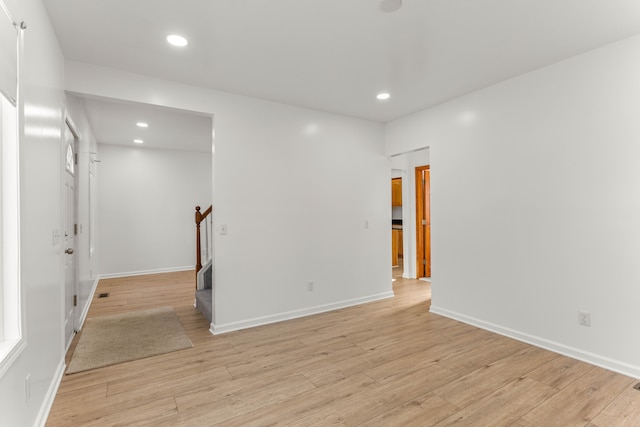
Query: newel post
[{"x": 198, "y": 252}]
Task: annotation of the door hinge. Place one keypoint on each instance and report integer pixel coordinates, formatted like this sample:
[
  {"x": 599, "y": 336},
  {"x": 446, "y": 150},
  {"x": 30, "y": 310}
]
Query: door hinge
[
  {"x": 424, "y": 222},
  {"x": 424, "y": 262},
  {"x": 75, "y": 229},
  {"x": 75, "y": 300},
  {"x": 75, "y": 158}
]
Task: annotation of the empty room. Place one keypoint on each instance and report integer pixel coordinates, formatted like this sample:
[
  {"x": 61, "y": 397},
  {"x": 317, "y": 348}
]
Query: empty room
[{"x": 228, "y": 179}]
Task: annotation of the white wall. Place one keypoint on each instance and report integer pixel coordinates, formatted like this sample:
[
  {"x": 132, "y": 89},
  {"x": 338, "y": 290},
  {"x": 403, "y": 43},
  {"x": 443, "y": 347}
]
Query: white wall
[
  {"x": 146, "y": 208},
  {"x": 396, "y": 211},
  {"x": 296, "y": 203},
  {"x": 294, "y": 186},
  {"x": 535, "y": 204},
  {"x": 41, "y": 118}
]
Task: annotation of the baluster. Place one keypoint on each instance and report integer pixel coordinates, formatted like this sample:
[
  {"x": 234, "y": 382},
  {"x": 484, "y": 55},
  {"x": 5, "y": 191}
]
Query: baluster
[{"x": 206, "y": 240}]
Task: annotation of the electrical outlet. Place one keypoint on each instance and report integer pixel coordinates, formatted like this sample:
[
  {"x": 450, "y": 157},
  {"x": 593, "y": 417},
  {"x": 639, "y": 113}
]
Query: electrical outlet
[
  {"x": 584, "y": 318},
  {"x": 366, "y": 223},
  {"x": 310, "y": 286}
]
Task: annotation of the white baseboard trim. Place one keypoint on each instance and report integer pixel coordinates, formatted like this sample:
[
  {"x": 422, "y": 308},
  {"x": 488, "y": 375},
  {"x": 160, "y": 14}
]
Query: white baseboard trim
[
  {"x": 47, "y": 404},
  {"x": 575, "y": 353},
  {"x": 145, "y": 272},
  {"x": 85, "y": 311},
  {"x": 294, "y": 314}
]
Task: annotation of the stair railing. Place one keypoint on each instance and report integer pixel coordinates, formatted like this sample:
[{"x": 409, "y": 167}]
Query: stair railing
[{"x": 200, "y": 217}]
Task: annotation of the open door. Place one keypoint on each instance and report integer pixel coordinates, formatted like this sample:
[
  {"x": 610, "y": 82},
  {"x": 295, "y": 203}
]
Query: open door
[{"x": 423, "y": 222}]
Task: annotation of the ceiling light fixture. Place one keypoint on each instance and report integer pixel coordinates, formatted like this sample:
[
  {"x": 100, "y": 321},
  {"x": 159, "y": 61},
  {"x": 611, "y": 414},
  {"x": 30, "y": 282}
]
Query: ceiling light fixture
[
  {"x": 383, "y": 96},
  {"x": 390, "y": 5},
  {"x": 177, "y": 40},
  {"x": 142, "y": 125},
  {"x": 138, "y": 141}
]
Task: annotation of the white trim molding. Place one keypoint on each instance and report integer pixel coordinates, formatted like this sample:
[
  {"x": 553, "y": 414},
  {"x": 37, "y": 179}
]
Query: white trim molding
[
  {"x": 584, "y": 356},
  {"x": 85, "y": 311},
  {"x": 47, "y": 404},
  {"x": 145, "y": 272},
  {"x": 294, "y": 314},
  {"x": 9, "y": 352}
]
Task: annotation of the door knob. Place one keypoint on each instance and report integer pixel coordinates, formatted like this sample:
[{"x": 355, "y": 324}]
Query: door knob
[{"x": 69, "y": 251}]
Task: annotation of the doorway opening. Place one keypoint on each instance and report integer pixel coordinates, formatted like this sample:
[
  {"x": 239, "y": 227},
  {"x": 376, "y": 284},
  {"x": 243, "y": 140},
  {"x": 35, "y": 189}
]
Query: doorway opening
[
  {"x": 397, "y": 253},
  {"x": 404, "y": 216}
]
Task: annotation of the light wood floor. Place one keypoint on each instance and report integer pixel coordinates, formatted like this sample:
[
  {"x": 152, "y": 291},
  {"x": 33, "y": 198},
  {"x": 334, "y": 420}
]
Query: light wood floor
[{"x": 388, "y": 363}]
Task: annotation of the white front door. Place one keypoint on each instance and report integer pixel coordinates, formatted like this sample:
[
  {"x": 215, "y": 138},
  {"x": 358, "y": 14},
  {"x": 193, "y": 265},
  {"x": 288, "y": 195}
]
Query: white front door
[{"x": 69, "y": 237}]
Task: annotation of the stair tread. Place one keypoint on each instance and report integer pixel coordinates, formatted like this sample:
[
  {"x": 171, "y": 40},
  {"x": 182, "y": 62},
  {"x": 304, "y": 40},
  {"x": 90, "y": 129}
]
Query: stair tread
[{"x": 204, "y": 302}]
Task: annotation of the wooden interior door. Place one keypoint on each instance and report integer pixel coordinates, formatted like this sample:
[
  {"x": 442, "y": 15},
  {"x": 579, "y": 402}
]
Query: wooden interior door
[{"x": 423, "y": 221}]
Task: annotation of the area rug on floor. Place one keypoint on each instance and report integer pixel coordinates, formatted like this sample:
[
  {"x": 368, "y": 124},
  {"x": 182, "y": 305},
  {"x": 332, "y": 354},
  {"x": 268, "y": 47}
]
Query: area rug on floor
[{"x": 118, "y": 338}]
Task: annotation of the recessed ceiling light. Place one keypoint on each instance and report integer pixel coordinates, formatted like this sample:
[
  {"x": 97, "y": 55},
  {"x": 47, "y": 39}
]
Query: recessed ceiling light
[
  {"x": 383, "y": 96},
  {"x": 177, "y": 40},
  {"x": 138, "y": 141},
  {"x": 142, "y": 125}
]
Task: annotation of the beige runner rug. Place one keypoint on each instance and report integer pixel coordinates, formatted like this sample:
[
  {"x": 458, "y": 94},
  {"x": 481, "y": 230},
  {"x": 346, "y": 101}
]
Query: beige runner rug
[{"x": 118, "y": 338}]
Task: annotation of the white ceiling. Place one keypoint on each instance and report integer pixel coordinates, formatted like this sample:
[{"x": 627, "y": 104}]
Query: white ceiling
[
  {"x": 114, "y": 122},
  {"x": 335, "y": 55}
]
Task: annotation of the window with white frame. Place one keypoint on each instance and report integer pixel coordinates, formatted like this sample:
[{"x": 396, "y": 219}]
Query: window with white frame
[
  {"x": 10, "y": 316},
  {"x": 2, "y": 226},
  {"x": 11, "y": 336}
]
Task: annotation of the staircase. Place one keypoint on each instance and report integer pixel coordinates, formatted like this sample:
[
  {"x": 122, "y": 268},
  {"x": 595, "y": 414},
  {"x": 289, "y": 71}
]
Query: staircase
[
  {"x": 204, "y": 295},
  {"x": 204, "y": 273}
]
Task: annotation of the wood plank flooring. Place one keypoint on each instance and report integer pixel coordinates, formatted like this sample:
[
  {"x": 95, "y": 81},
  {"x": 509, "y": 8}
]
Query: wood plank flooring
[{"x": 387, "y": 363}]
